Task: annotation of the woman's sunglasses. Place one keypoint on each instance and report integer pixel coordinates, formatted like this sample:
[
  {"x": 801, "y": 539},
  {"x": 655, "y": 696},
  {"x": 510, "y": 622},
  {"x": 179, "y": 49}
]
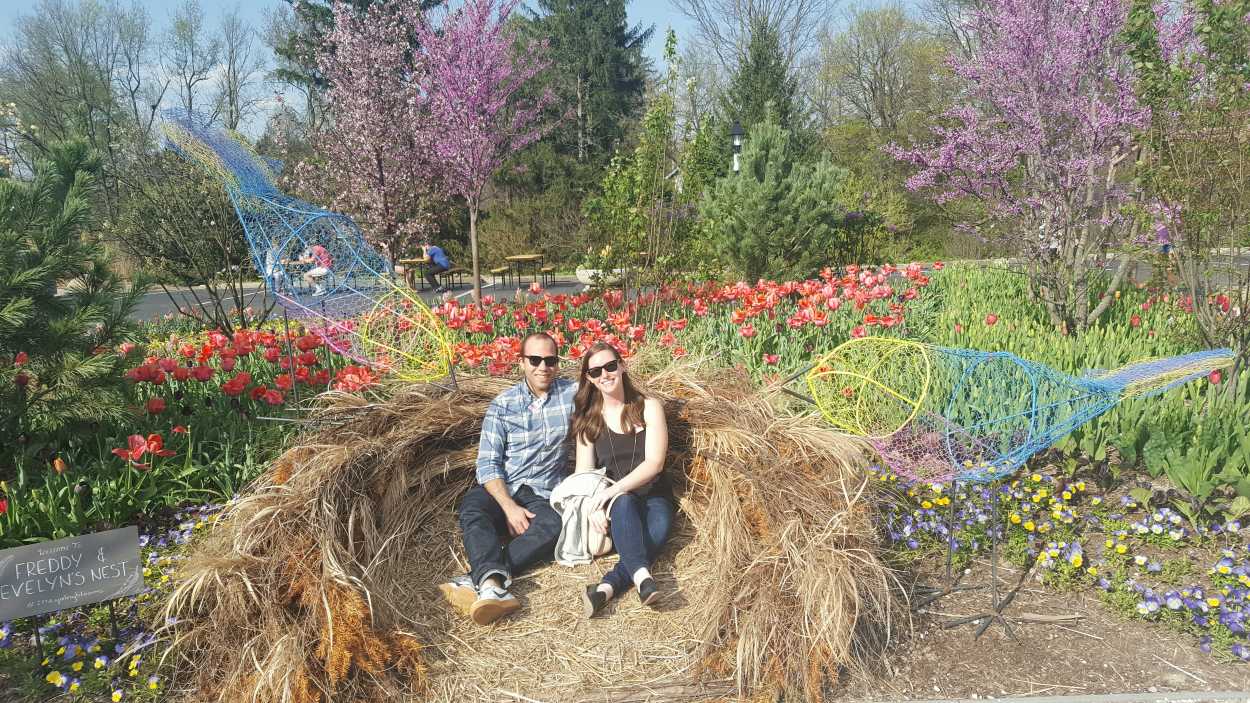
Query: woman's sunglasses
[
  {"x": 550, "y": 361},
  {"x": 610, "y": 367}
]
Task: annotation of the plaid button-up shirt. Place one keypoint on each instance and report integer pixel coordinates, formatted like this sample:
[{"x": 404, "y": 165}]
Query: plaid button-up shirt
[{"x": 524, "y": 437}]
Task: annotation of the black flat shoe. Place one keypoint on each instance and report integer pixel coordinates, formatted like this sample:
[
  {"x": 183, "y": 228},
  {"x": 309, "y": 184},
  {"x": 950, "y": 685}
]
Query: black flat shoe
[
  {"x": 648, "y": 592},
  {"x": 593, "y": 600}
]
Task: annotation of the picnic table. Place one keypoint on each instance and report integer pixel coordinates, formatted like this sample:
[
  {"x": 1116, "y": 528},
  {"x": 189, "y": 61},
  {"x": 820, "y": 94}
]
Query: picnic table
[{"x": 518, "y": 263}]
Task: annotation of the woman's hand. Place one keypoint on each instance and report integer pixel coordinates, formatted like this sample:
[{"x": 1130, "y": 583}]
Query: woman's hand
[
  {"x": 599, "y": 522},
  {"x": 599, "y": 509}
]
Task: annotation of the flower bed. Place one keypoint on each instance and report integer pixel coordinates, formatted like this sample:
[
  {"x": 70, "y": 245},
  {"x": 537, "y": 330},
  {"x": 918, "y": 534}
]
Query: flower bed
[{"x": 198, "y": 398}]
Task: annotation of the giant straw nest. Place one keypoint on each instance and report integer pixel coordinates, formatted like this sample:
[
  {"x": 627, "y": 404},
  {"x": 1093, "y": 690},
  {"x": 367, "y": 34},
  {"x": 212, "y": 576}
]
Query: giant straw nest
[{"x": 320, "y": 584}]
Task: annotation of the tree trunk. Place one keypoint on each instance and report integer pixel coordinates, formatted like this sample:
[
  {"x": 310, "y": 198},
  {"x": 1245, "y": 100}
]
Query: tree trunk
[
  {"x": 581, "y": 125},
  {"x": 477, "y": 281}
]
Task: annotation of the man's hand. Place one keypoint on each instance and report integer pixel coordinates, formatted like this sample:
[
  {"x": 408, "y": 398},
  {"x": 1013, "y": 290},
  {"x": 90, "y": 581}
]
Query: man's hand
[{"x": 518, "y": 519}]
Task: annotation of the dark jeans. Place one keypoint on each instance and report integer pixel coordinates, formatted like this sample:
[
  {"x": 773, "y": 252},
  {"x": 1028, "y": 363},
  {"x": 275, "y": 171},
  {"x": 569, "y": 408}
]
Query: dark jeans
[
  {"x": 484, "y": 526},
  {"x": 640, "y": 526},
  {"x": 431, "y": 277}
]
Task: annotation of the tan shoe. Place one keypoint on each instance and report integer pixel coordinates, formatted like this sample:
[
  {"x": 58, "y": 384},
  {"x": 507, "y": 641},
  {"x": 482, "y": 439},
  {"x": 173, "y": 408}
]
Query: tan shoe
[
  {"x": 492, "y": 603},
  {"x": 459, "y": 593}
]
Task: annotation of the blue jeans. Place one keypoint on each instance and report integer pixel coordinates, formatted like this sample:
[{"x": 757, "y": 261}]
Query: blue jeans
[
  {"x": 484, "y": 526},
  {"x": 431, "y": 277},
  {"x": 640, "y": 526}
]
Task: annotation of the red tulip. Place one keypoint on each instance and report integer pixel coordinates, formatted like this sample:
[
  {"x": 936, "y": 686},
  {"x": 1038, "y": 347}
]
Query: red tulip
[
  {"x": 771, "y": 359},
  {"x": 959, "y": 329},
  {"x": 1135, "y": 321},
  {"x": 179, "y": 429},
  {"x": 202, "y": 373},
  {"x": 156, "y": 406},
  {"x": 125, "y": 348},
  {"x": 155, "y": 444},
  {"x": 1216, "y": 377},
  {"x": 859, "y": 331},
  {"x": 21, "y": 359},
  {"x": 227, "y": 364},
  {"x": 535, "y": 288},
  {"x": 182, "y": 373},
  {"x": 747, "y": 331},
  {"x": 273, "y": 397},
  {"x": 135, "y": 450},
  {"x": 167, "y": 365},
  {"x": 991, "y": 319},
  {"x": 4, "y": 506}
]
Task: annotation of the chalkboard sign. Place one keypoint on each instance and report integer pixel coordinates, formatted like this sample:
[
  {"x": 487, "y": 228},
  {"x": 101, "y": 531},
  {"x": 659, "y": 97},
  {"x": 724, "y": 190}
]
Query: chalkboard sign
[{"x": 64, "y": 573}]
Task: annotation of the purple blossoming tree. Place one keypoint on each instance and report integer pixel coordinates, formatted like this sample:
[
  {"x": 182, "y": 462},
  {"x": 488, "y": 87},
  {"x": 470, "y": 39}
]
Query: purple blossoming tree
[
  {"x": 373, "y": 156},
  {"x": 474, "y": 70},
  {"x": 1043, "y": 140}
]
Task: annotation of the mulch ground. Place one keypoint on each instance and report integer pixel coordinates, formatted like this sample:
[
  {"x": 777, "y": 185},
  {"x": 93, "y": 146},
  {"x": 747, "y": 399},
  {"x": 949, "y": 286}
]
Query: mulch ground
[{"x": 1095, "y": 651}]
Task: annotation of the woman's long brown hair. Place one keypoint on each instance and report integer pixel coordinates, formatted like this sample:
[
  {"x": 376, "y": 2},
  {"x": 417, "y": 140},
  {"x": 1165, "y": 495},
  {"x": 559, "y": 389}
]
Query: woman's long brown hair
[{"x": 588, "y": 405}]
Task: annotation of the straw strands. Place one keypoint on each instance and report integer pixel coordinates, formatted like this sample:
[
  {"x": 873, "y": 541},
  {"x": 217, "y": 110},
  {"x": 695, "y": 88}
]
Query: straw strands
[{"x": 319, "y": 585}]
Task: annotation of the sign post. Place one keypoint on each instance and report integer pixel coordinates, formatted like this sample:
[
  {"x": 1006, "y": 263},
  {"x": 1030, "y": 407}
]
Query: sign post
[{"x": 49, "y": 576}]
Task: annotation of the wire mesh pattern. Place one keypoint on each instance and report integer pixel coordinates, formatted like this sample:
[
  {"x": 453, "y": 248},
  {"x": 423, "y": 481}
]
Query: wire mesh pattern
[
  {"x": 937, "y": 414},
  {"x": 316, "y": 263}
]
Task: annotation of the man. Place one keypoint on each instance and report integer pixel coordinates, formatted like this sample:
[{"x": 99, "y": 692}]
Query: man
[
  {"x": 320, "y": 258},
  {"x": 436, "y": 262},
  {"x": 521, "y": 456}
]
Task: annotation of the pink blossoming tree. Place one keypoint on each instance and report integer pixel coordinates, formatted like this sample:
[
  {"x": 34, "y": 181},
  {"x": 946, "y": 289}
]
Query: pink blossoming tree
[
  {"x": 1043, "y": 141},
  {"x": 474, "y": 71},
  {"x": 373, "y": 156}
]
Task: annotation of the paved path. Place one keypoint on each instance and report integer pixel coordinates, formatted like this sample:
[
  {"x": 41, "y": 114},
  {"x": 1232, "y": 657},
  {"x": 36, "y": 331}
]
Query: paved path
[{"x": 156, "y": 303}]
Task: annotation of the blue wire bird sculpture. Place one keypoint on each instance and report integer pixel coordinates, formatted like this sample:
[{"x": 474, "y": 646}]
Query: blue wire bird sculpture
[{"x": 938, "y": 414}]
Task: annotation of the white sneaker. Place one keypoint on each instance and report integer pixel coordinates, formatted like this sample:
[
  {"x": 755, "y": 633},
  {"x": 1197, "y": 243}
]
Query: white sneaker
[
  {"x": 492, "y": 603},
  {"x": 459, "y": 592}
]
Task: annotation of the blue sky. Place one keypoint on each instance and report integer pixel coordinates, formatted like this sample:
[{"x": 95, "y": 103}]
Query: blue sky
[{"x": 657, "y": 12}]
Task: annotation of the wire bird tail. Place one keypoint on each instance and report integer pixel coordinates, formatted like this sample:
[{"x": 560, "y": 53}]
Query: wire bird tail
[{"x": 1142, "y": 379}]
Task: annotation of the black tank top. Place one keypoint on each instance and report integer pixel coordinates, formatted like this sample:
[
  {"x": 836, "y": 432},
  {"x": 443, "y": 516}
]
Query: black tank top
[{"x": 621, "y": 454}]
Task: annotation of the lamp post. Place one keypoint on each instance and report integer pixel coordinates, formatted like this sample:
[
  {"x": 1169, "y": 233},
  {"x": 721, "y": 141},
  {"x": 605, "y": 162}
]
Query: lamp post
[{"x": 736, "y": 133}]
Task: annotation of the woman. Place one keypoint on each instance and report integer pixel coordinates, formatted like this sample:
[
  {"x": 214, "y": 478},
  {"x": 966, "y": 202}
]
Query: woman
[{"x": 620, "y": 429}]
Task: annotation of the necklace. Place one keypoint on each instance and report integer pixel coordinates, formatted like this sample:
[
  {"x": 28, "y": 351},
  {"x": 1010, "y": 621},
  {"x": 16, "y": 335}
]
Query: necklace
[{"x": 633, "y": 454}]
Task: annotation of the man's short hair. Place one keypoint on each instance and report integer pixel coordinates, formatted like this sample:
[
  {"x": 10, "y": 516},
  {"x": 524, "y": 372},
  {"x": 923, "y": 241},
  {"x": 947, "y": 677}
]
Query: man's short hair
[{"x": 538, "y": 335}]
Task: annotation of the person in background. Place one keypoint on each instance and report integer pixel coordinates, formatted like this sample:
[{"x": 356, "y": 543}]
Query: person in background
[
  {"x": 436, "y": 262},
  {"x": 322, "y": 263}
]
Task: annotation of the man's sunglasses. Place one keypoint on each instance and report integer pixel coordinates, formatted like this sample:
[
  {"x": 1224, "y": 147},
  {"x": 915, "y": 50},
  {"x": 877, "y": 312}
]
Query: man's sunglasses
[
  {"x": 550, "y": 361},
  {"x": 610, "y": 367}
]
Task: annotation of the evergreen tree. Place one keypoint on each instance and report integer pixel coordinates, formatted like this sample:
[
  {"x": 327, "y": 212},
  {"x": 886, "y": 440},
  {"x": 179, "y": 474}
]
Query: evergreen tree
[
  {"x": 57, "y": 361},
  {"x": 779, "y": 217},
  {"x": 762, "y": 81},
  {"x": 599, "y": 68}
]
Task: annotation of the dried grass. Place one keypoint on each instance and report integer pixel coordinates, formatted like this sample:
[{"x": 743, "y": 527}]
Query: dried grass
[{"x": 319, "y": 585}]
